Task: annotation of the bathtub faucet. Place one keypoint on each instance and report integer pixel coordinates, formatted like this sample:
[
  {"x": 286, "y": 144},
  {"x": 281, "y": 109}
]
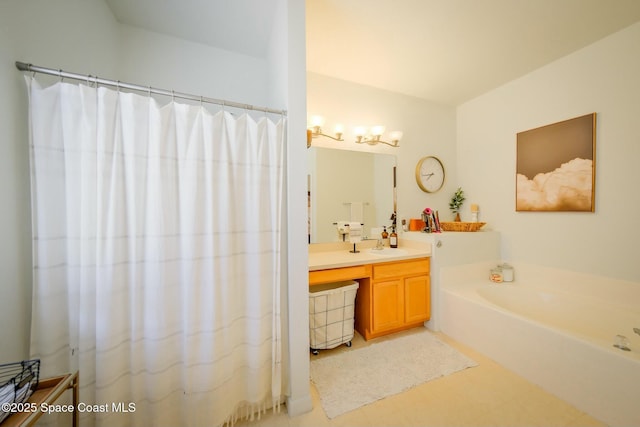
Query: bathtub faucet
[{"x": 636, "y": 330}]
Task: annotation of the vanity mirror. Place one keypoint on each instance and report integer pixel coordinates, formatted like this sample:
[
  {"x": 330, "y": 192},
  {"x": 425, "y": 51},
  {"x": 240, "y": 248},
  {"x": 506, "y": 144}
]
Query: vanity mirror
[{"x": 346, "y": 185}]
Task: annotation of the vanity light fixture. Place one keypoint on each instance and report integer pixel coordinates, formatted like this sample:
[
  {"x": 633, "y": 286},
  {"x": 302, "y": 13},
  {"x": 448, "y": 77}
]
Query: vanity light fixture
[
  {"x": 316, "y": 129},
  {"x": 375, "y": 136},
  {"x": 372, "y": 137}
]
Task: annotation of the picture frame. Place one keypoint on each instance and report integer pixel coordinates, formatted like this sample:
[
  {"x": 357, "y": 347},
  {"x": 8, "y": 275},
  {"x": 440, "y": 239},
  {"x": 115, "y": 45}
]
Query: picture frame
[{"x": 555, "y": 166}]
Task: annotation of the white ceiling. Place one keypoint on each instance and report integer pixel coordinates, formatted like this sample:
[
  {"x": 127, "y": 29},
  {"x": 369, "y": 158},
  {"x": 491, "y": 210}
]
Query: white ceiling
[{"x": 448, "y": 51}]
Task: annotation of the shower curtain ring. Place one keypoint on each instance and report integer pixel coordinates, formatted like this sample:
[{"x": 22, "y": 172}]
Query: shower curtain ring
[{"x": 60, "y": 75}]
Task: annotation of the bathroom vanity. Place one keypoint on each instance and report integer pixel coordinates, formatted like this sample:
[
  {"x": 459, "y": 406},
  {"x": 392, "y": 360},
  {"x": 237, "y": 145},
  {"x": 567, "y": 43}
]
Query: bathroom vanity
[{"x": 394, "y": 291}]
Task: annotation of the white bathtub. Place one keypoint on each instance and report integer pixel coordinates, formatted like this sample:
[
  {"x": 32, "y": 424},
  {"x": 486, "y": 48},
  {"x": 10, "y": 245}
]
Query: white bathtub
[{"x": 556, "y": 329}]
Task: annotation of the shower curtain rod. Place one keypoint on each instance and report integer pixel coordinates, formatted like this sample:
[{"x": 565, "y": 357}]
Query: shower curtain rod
[{"x": 22, "y": 66}]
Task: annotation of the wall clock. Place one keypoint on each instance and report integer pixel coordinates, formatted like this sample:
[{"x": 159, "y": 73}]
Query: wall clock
[{"x": 430, "y": 174}]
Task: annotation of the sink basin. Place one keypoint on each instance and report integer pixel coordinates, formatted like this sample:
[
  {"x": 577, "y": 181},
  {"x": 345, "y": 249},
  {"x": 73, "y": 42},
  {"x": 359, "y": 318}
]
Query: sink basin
[{"x": 388, "y": 252}]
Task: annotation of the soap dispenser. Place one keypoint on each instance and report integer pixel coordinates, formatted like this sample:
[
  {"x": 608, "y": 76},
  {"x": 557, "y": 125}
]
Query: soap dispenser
[{"x": 393, "y": 238}]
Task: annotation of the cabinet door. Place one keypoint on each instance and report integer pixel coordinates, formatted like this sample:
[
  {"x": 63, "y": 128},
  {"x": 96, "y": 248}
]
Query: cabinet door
[
  {"x": 417, "y": 299},
  {"x": 388, "y": 305}
]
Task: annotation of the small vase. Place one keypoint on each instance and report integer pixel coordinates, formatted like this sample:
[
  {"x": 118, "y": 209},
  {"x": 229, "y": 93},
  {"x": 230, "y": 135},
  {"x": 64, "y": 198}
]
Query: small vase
[{"x": 457, "y": 218}]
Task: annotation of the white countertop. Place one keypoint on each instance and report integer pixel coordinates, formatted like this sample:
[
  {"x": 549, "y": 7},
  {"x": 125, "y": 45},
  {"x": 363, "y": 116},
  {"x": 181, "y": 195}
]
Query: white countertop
[{"x": 337, "y": 255}]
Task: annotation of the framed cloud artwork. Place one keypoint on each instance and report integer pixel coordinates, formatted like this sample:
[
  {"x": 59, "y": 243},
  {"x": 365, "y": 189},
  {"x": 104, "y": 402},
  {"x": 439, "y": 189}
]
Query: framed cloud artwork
[{"x": 555, "y": 166}]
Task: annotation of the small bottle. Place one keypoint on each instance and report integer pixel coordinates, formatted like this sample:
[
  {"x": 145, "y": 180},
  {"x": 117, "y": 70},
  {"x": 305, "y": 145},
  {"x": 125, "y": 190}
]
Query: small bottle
[
  {"x": 384, "y": 233},
  {"x": 404, "y": 225},
  {"x": 393, "y": 239},
  {"x": 474, "y": 212}
]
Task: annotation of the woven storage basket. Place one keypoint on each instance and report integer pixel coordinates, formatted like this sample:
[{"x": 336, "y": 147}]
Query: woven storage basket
[
  {"x": 18, "y": 381},
  {"x": 461, "y": 226}
]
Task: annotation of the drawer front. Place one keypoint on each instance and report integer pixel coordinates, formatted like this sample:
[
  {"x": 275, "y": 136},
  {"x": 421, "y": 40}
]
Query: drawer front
[
  {"x": 339, "y": 274},
  {"x": 401, "y": 268}
]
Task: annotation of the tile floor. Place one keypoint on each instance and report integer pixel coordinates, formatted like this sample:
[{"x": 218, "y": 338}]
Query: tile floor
[{"x": 486, "y": 395}]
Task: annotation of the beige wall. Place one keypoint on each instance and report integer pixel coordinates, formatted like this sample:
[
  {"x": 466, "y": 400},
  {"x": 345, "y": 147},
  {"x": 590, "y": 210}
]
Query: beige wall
[
  {"x": 77, "y": 35},
  {"x": 429, "y": 129},
  {"x": 602, "y": 78}
]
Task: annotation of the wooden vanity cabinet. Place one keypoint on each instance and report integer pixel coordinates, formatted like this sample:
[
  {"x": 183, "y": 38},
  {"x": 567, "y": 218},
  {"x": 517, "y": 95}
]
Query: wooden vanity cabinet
[
  {"x": 396, "y": 298},
  {"x": 392, "y": 296}
]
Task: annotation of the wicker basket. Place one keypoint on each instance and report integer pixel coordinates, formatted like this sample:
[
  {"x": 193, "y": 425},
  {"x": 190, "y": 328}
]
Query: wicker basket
[
  {"x": 461, "y": 226},
  {"x": 18, "y": 381}
]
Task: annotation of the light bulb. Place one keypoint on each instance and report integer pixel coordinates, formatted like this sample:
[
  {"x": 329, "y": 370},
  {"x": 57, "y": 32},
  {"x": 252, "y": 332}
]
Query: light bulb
[
  {"x": 317, "y": 121},
  {"x": 396, "y": 135},
  {"x": 377, "y": 130}
]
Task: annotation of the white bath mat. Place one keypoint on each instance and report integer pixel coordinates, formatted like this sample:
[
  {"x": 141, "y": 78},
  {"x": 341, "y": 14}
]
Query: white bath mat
[{"x": 350, "y": 379}]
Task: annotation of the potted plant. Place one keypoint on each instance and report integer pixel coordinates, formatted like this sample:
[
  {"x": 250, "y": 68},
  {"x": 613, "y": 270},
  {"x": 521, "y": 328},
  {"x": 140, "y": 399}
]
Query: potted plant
[{"x": 456, "y": 203}]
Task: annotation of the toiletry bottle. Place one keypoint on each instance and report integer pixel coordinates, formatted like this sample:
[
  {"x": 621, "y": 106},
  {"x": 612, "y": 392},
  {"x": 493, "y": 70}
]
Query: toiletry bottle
[
  {"x": 393, "y": 239},
  {"x": 384, "y": 233}
]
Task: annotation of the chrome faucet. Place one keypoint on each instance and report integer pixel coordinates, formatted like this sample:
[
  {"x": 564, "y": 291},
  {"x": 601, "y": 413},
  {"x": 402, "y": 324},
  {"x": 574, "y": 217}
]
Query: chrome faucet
[
  {"x": 636, "y": 330},
  {"x": 379, "y": 245}
]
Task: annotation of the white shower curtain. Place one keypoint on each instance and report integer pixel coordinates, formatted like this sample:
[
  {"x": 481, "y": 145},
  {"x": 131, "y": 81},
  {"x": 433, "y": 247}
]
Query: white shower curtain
[{"x": 157, "y": 234}]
